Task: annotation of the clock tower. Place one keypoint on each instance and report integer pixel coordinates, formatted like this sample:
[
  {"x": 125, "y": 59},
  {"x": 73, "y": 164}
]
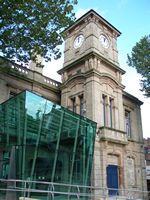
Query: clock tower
[
  {"x": 91, "y": 86},
  {"x": 91, "y": 33},
  {"x": 90, "y": 63}
]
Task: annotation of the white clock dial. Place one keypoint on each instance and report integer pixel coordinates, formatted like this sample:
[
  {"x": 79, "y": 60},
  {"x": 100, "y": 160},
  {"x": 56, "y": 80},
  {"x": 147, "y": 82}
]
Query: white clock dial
[
  {"x": 78, "y": 41},
  {"x": 104, "y": 41}
]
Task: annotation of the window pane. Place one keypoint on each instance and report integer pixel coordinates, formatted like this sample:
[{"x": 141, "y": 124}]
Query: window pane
[
  {"x": 111, "y": 111},
  {"x": 81, "y": 105},
  {"x": 104, "y": 108},
  {"x": 73, "y": 100},
  {"x": 127, "y": 123}
]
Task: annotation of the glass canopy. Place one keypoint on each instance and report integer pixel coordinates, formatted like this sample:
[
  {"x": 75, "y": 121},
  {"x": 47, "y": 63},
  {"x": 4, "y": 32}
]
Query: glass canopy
[{"x": 44, "y": 142}]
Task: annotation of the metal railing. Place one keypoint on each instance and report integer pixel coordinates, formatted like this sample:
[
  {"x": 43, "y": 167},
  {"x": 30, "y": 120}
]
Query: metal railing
[{"x": 26, "y": 189}]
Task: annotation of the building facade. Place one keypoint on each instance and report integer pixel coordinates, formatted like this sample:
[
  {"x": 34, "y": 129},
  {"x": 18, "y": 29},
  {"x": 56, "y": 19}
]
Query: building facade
[
  {"x": 147, "y": 160},
  {"x": 92, "y": 87}
]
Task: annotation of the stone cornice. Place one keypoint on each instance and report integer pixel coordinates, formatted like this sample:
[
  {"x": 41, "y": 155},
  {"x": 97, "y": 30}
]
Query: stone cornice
[
  {"x": 132, "y": 98},
  {"x": 87, "y": 56}
]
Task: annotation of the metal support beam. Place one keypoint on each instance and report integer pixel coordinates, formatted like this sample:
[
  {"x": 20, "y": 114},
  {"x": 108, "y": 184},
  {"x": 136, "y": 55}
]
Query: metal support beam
[
  {"x": 74, "y": 154},
  {"x": 24, "y": 144},
  {"x": 36, "y": 148},
  {"x": 6, "y": 123},
  {"x": 18, "y": 131},
  {"x": 57, "y": 146}
]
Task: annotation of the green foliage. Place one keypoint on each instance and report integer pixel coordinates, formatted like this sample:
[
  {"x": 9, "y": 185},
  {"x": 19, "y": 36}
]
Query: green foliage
[
  {"x": 30, "y": 28},
  {"x": 140, "y": 60}
]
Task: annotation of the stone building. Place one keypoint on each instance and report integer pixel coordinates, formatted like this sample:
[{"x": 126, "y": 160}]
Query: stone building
[
  {"x": 147, "y": 160},
  {"x": 147, "y": 150},
  {"x": 92, "y": 87}
]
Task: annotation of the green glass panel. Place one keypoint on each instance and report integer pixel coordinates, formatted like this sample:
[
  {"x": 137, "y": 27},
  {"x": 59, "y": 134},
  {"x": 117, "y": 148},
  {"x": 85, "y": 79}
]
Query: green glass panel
[{"x": 46, "y": 143}]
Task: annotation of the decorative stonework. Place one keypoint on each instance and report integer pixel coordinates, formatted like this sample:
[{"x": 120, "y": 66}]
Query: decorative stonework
[{"x": 130, "y": 171}]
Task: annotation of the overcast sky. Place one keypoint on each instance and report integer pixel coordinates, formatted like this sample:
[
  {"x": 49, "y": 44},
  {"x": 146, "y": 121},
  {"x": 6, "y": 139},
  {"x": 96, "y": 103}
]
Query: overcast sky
[{"x": 131, "y": 18}]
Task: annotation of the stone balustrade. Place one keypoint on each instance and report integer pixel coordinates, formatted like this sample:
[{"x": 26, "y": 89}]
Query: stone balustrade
[
  {"x": 28, "y": 73},
  {"x": 20, "y": 69},
  {"x": 116, "y": 136}
]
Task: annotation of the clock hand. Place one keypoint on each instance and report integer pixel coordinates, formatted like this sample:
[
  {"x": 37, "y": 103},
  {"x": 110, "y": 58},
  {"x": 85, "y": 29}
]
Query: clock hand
[{"x": 78, "y": 39}]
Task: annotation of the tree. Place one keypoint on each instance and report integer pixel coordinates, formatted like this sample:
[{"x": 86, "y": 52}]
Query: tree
[
  {"x": 30, "y": 28},
  {"x": 140, "y": 60}
]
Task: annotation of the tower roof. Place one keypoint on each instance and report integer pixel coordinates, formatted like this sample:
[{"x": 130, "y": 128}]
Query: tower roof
[{"x": 100, "y": 18}]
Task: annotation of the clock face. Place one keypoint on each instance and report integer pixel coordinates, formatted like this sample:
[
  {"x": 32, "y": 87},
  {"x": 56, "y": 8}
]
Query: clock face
[
  {"x": 104, "y": 41},
  {"x": 78, "y": 41}
]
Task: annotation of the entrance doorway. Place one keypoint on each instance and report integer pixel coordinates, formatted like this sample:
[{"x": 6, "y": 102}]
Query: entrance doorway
[{"x": 112, "y": 180}]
